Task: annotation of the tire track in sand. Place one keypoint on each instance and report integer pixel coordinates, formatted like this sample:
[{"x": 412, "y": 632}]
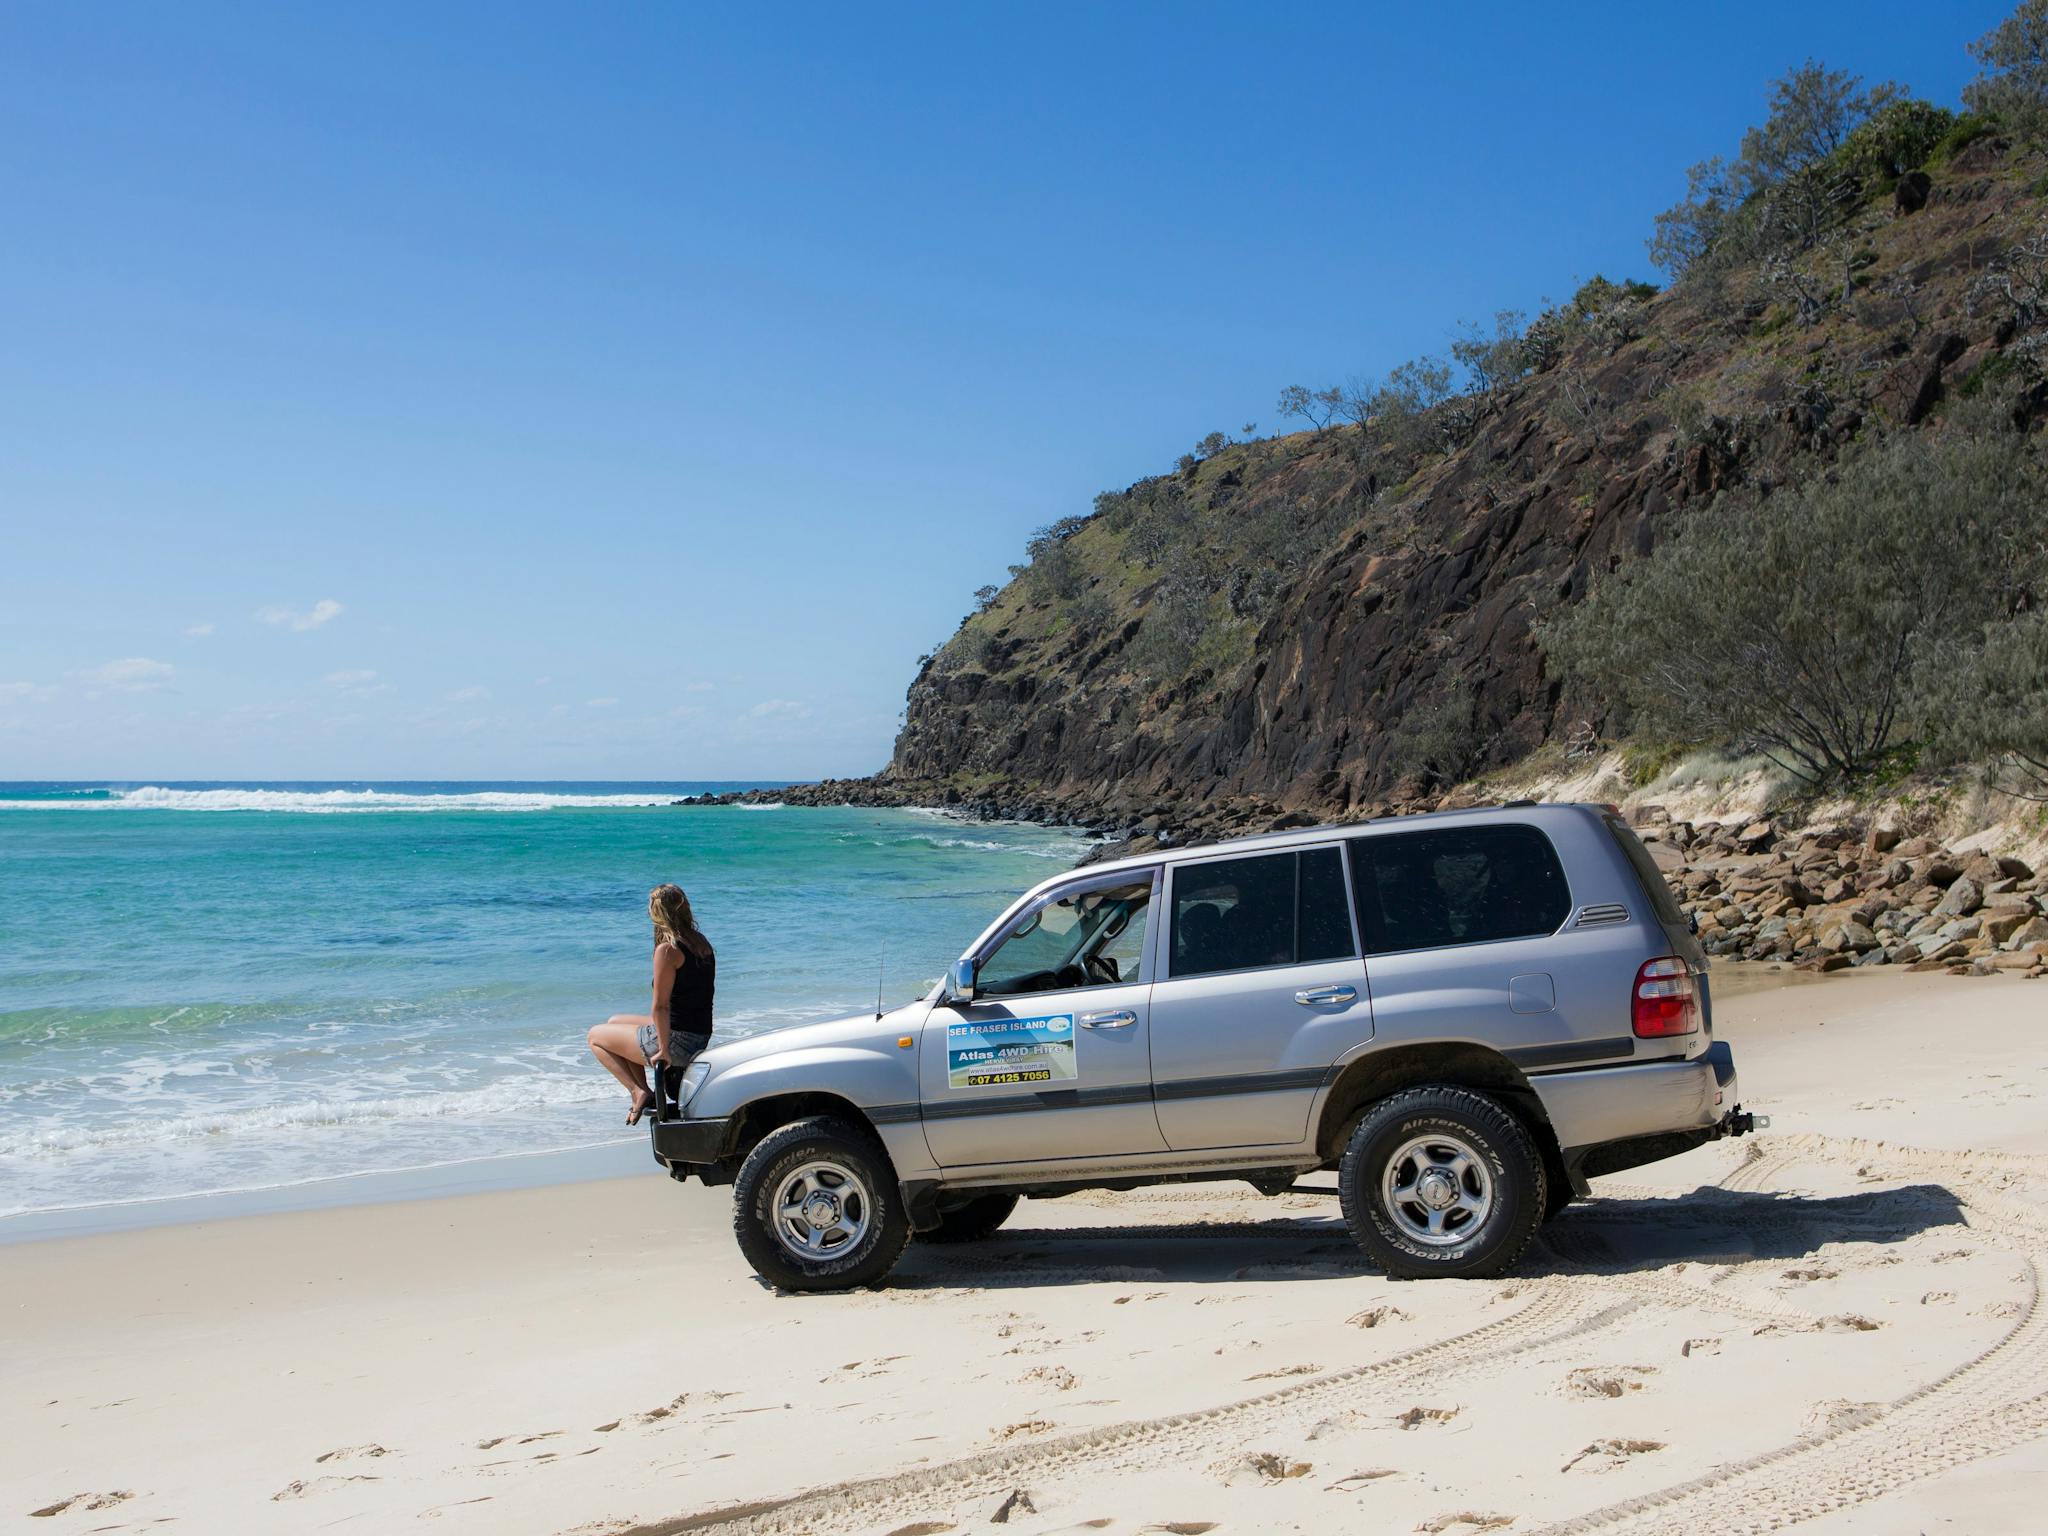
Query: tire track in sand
[
  {"x": 1990, "y": 1403},
  {"x": 1985, "y": 1405},
  {"x": 1559, "y": 1313}
]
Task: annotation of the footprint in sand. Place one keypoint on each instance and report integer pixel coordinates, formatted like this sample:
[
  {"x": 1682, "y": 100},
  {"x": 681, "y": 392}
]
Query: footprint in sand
[
  {"x": 300, "y": 1488},
  {"x": 1693, "y": 1347},
  {"x": 82, "y": 1501},
  {"x": 1178, "y": 1528},
  {"x": 1418, "y": 1418},
  {"x": 1261, "y": 1468},
  {"x": 1285, "y": 1370},
  {"x": 1373, "y": 1317},
  {"x": 1023, "y": 1428},
  {"x": 1465, "y": 1522},
  {"x": 923, "y": 1528},
  {"x": 1607, "y": 1380},
  {"x": 1938, "y": 1299},
  {"x": 1058, "y": 1377},
  {"x": 1353, "y": 1482},
  {"x": 1606, "y": 1455},
  {"x": 1812, "y": 1272},
  {"x": 354, "y": 1453}
]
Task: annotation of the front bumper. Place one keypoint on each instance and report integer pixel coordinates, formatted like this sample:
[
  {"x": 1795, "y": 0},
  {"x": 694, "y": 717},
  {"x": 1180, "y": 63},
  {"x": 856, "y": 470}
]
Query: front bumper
[{"x": 683, "y": 1144}]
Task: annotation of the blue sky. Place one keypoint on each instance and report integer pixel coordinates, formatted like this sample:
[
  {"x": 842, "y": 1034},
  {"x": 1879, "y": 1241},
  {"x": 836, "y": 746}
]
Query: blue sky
[{"x": 636, "y": 391}]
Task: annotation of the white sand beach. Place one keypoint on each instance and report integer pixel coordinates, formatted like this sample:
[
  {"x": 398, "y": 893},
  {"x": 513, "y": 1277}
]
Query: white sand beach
[{"x": 1838, "y": 1322}]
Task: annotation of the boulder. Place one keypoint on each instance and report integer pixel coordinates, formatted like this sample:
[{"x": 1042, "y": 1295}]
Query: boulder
[
  {"x": 1909, "y": 193},
  {"x": 2029, "y": 934},
  {"x": 1963, "y": 897},
  {"x": 2003, "y": 923},
  {"x": 1882, "y": 838},
  {"x": 1756, "y": 837},
  {"x": 1851, "y": 936}
]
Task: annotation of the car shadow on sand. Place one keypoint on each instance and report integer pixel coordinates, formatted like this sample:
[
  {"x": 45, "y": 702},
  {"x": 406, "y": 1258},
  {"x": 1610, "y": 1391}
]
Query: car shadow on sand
[{"x": 1708, "y": 1226}]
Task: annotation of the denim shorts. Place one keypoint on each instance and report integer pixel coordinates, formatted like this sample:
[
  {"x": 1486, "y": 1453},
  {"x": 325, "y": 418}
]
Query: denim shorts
[{"x": 682, "y": 1045}]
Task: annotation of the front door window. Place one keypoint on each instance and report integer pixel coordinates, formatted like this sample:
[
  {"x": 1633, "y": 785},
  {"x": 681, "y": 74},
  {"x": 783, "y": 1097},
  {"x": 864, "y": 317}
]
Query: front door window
[{"x": 1092, "y": 938}]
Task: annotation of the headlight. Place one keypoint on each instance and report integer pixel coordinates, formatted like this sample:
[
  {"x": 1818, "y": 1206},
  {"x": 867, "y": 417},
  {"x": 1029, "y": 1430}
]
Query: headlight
[{"x": 693, "y": 1079}]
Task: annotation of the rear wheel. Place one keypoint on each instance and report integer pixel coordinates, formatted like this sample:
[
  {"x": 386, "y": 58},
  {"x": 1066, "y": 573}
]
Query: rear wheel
[
  {"x": 816, "y": 1208},
  {"x": 971, "y": 1222},
  {"x": 1440, "y": 1180}
]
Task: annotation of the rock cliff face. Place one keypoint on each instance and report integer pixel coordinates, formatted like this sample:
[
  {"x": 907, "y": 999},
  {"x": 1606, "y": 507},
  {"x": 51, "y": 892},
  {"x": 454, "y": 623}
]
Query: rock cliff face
[{"x": 1317, "y": 624}]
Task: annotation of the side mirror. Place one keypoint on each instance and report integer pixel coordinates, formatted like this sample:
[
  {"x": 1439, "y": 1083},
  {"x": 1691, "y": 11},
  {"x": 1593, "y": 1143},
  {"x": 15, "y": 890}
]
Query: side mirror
[{"x": 959, "y": 982}]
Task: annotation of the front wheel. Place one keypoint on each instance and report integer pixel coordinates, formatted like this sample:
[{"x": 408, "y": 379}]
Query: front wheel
[
  {"x": 1440, "y": 1180},
  {"x": 972, "y": 1221},
  {"x": 816, "y": 1208}
]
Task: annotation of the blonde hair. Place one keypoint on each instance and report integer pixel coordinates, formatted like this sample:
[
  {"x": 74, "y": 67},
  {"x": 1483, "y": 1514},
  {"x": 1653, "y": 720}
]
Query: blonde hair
[{"x": 674, "y": 922}]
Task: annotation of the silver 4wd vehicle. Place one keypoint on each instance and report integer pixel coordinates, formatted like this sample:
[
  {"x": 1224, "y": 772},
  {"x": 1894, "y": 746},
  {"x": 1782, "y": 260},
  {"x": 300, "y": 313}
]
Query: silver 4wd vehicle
[{"x": 1466, "y": 1015}]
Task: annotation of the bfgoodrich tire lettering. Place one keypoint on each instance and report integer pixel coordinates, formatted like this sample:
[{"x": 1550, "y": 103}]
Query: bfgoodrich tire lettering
[
  {"x": 1438, "y": 1180},
  {"x": 971, "y": 1222},
  {"x": 845, "y": 1166}
]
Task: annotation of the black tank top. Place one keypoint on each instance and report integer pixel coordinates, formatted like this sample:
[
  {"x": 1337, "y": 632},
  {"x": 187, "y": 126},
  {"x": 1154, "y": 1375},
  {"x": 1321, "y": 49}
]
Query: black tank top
[{"x": 689, "y": 995}]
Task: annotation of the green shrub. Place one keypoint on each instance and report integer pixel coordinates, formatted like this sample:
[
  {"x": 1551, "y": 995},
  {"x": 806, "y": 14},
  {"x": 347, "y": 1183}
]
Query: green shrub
[
  {"x": 1805, "y": 623},
  {"x": 1962, "y": 133},
  {"x": 1896, "y": 138}
]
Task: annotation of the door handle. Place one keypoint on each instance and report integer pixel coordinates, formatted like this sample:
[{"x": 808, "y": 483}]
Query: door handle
[
  {"x": 1312, "y": 996},
  {"x": 1117, "y": 1018}
]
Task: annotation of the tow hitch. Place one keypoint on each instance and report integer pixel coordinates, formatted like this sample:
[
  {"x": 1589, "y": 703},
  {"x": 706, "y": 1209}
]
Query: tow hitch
[{"x": 1740, "y": 1122}]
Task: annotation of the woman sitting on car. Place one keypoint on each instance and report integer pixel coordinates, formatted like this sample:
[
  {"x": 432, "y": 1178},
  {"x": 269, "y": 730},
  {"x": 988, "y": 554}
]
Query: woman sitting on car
[{"x": 678, "y": 1024}]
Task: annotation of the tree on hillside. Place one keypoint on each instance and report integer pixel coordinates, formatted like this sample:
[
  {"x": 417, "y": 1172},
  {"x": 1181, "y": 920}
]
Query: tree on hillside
[
  {"x": 1314, "y": 406},
  {"x": 1493, "y": 358},
  {"x": 1785, "y": 188},
  {"x": 1804, "y": 624},
  {"x": 2014, "y": 84}
]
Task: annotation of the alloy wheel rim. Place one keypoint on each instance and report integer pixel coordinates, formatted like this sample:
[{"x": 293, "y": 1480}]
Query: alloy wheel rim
[
  {"x": 1437, "y": 1189},
  {"x": 821, "y": 1209}
]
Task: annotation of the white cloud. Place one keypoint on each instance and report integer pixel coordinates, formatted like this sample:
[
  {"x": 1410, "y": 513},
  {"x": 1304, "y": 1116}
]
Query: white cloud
[
  {"x": 604, "y": 703},
  {"x": 468, "y": 695},
  {"x": 132, "y": 674},
  {"x": 542, "y": 682},
  {"x": 359, "y": 681},
  {"x": 780, "y": 709},
  {"x": 198, "y": 631},
  {"x": 290, "y": 618},
  {"x": 698, "y": 687},
  {"x": 23, "y": 693}
]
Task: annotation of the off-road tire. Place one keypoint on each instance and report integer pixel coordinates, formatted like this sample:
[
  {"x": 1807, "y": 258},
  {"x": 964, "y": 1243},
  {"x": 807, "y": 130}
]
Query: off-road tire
[
  {"x": 783, "y": 1151},
  {"x": 1518, "y": 1185},
  {"x": 972, "y": 1222}
]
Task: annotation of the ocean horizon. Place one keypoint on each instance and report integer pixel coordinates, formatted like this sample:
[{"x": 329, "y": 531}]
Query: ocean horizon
[{"x": 221, "y": 986}]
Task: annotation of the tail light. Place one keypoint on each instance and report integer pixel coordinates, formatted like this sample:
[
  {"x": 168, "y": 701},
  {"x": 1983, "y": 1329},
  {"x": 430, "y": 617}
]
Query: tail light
[{"x": 1666, "y": 1001}]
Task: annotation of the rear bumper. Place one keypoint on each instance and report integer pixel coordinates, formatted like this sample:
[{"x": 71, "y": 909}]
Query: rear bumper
[
  {"x": 680, "y": 1145},
  {"x": 1623, "y": 1117},
  {"x": 1603, "y": 1104}
]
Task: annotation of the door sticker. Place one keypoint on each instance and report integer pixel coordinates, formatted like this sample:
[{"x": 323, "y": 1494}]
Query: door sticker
[{"x": 1037, "y": 1050}]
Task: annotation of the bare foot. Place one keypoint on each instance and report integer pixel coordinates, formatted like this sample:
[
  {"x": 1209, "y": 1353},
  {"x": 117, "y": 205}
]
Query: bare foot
[{"x": 641, "y": 1099}]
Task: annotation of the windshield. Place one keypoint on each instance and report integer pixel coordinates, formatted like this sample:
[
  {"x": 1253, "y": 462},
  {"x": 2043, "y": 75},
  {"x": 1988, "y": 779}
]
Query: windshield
[{"x": 1093, "y": 938}]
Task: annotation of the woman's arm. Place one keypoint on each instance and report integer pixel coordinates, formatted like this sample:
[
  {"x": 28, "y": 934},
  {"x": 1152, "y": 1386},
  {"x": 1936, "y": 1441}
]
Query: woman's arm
[{"x": 667, "y": 958}]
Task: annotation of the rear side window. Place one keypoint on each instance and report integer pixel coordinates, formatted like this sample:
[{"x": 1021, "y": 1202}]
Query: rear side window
[
  {"x": 1465, "y": 885},
  {"x": 1272, "y": 909},
  {"x": 1648, "y": 875}
]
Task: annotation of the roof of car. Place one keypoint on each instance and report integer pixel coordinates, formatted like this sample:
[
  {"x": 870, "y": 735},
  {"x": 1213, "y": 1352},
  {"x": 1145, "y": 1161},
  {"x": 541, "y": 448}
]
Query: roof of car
[{"x": 1292, "y": 835}]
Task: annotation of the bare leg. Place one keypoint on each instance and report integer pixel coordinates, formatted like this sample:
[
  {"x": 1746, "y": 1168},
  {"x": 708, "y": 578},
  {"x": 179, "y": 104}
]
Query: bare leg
[{"x": 616, "y": 1045}]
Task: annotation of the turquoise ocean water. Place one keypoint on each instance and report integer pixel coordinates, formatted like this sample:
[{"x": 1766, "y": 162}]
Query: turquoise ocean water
[{"x": 210, "y": 987}]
